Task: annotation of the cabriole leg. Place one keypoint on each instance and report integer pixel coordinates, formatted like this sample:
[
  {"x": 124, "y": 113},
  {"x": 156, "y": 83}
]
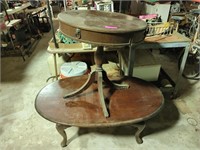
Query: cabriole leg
[
  {"x": 140, "y": 126},
  {"x": 61, "y": 129}
]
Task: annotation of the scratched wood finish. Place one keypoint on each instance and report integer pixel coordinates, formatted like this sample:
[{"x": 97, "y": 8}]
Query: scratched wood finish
[
  {"x": 102, "y": 28},
  {"x": 139, "y": 102}
]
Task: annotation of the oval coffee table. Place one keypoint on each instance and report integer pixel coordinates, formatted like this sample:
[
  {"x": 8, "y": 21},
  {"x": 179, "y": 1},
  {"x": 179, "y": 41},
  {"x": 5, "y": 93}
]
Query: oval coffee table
[{"x": 131, "y": 106}]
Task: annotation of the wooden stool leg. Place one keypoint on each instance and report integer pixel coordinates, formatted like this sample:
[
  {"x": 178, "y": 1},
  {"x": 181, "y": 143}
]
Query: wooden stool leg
[
  {"x": 140, "y": 127},
  {"x": 61, "y": 129}
]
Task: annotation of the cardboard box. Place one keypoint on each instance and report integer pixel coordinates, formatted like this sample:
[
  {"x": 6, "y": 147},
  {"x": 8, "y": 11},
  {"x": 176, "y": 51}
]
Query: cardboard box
[{"x": 145, "y": 65}]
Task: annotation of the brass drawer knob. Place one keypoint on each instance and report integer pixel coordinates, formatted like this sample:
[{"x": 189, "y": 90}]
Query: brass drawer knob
[{"x": 78, "y": 33}]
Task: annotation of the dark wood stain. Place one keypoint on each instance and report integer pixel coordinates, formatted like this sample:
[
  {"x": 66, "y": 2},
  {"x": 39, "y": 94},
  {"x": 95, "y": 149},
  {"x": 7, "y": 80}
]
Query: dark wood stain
[
  {"x": 102, "y": 28},
  {"x": 139, "y": 102}
]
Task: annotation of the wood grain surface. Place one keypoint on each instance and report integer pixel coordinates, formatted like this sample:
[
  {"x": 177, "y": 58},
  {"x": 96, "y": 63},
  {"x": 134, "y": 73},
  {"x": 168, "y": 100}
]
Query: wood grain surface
[
  {"x": 101, "y": 28},
  {"x": 139, "y": 102}
]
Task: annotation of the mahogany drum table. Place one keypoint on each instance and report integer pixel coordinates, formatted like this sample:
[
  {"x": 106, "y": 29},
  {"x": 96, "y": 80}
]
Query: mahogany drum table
[
  {"x": 130, "y": 106},
  {"x": 101, "y": 29}
]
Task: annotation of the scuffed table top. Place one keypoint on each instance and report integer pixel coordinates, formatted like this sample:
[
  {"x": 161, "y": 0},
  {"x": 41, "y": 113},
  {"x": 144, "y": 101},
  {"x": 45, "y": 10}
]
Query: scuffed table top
[
  {"x": 99, "y": 21},
  {"x": 127, "y": 106}
]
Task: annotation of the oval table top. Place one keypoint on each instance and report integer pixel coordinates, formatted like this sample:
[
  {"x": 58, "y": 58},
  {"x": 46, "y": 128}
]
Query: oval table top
[
  {"x": 100, "y": 21},
  {"x": 139, "y": 102}
]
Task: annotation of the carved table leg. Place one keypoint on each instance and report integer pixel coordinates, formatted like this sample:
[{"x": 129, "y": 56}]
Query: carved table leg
[
  {"x": 61, "y": 129},
  {"x": 101, "y": 96},
  {"x": 112, "y": 84},
  {"x": 98, "y": 75},
  {"x": 89, "y": 81},
  {"x": 140, "y": 127}
]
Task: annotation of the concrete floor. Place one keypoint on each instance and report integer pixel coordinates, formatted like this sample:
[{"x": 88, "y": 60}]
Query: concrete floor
[{"x": 176, "y": 127}]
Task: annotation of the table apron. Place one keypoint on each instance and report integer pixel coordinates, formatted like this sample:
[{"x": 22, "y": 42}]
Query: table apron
[{"x": 102, "y": 38}]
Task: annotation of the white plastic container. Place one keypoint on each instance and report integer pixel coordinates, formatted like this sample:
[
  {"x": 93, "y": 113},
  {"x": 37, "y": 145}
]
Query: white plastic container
[{"x": 72, "y": 69}]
